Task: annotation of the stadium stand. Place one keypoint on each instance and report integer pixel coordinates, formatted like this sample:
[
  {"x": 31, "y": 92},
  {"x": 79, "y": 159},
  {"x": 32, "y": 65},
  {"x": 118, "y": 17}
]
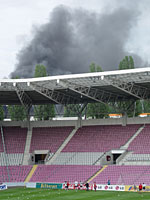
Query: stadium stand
[
  {"x": 15, "y": 139},
  {"x": 141, "y": 143},
  {"x": 100, "y": 137},
  {"x": 127, "y": 175},
  {"x": 61, "y": 173},
  {"x": 16, "y": 173},
  {"x": 12, "y": 159},
  {"x": 48, "y": 138},
  {"x": 77, "y": 158}
]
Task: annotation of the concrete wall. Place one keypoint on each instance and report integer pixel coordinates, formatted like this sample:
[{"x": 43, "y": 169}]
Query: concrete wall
[{"x": 54, "y": 123}]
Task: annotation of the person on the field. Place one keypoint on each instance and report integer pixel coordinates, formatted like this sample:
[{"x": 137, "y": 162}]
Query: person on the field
[
  {"x": 135, "y": 188},
  {"x": 81, "y": 185},
  {"x": 144, "y": 186},
  {"x": 65, "y": 185},
  {"x": 76, "y": 185},
  {"x": 95, "y": 186},
  {"x": 140, "y": 187},
  {"x": 87, "y": 186}
]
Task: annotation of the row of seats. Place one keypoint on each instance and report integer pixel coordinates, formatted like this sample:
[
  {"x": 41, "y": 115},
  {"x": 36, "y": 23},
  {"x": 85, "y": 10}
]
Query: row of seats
[
  {"x": 11, "y": 159},
  {"x": 86, "y": 146},
  {"x": 140, "y": 145},
  {"x": 127, "y": 175},
  {"x": 61, "y": 173},
  {"x": 49, "y": 138},
  {"x": 15, "y": 140},
  {"x": 138, "y": 157},
  {"x": 14, "y": 173},
  {"x": 77, "y": 158},
  {"x": 100, "y": 138}
]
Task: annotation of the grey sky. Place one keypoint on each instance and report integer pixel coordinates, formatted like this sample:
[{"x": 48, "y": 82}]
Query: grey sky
[{"x": 18, "y": 17}]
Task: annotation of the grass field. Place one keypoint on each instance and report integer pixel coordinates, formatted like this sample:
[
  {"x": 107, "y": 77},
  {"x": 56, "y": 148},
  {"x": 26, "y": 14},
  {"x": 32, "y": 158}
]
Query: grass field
[{"x": 42, "y": 194}]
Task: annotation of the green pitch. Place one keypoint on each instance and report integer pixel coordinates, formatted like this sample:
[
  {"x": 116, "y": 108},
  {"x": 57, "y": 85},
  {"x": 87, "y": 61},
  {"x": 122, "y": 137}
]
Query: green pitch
[{"x": 47, "y": 194}]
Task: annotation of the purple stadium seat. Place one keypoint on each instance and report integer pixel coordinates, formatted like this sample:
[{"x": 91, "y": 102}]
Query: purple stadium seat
[
  {"x": 60, "y": 173},
  {"x": 99, "y": 138},
  {"x": 49, "y": 138}
]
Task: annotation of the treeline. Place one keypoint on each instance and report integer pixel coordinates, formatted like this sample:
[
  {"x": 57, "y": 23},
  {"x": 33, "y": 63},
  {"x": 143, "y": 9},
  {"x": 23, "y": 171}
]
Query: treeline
[{"x": 93, "y": 110}]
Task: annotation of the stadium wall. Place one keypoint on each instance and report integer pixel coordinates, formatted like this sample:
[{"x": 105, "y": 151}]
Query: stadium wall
[{"x": 77, "y": 123}]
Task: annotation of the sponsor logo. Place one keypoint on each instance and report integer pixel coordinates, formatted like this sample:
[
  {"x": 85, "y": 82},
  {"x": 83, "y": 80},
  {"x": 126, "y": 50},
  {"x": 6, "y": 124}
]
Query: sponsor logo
[
  {"x": 117, "y": 187},
  {"x": 3, "y": 187},
  {"x": 106, "y": 187}
]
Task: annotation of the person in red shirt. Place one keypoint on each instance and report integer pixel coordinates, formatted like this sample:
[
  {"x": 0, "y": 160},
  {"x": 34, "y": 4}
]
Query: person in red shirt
[
  {"x": 140, "y": 187},
  {"x": 67, "y": 185},
  {"x": 95, "y": 186}
]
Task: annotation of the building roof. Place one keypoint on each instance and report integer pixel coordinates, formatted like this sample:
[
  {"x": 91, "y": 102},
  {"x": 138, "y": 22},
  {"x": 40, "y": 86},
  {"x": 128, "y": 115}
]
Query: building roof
[{"x": 110, "y": 86}]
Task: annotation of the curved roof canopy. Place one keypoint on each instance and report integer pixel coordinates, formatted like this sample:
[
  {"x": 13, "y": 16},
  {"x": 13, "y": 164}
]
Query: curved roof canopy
[{"x": 110, "y": 86}]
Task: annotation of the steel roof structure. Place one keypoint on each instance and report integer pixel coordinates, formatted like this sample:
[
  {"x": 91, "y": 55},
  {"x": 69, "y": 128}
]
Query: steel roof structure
[{"x": 105, "y": 87}]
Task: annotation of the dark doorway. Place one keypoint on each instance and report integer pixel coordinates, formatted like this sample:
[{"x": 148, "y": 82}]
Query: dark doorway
[
  {"x": 39, "y": 158},
  {"x": 115, "y": 156}
]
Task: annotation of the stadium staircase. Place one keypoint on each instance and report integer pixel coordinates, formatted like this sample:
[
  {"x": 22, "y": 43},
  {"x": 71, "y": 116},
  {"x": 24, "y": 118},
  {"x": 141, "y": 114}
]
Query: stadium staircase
[
  {"x": 125, "y": 147},
  {"x": 27, "y": 148},
  {"x": 61, "y": 147},
  {"x": 31, "y": 173},
  {"x": 124, "y": 159},
  {"x": 97, "y": 173}
]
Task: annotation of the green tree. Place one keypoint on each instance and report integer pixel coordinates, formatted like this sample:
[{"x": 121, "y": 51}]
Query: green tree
[
  {"x": 72, "y": 110},
  {"x": 1, "y": 113},
  {"x": 43, "y": 112},
  {"x": 96, "y": 110},
  {"x": 17, "y": 113},
  {"x": 126, "y": 63},
  {"x": 40, "y": 71}
]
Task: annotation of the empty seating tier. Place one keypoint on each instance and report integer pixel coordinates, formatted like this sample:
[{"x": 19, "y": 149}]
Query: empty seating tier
[
  {"x": 61, "y": 173},
  {"x": 16, "y": 173},
  {"x": 100, "y": 138},
  {"x": 49, "y": 138},
  {"x": 127, "y": 175},
  {"x": 15, "y": 139},
  {"x": 141, "y": 144}
]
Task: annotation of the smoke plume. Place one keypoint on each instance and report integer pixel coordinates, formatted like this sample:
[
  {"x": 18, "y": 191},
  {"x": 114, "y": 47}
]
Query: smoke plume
[{"x": 74, "y": 38}]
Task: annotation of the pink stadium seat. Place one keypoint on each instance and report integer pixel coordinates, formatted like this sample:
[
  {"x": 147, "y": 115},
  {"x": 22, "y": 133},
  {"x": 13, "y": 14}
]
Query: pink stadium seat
[
  {"x": 16, "y": 173},
  {"x": 127, "y": 175},
  {"x": 141, "y": 144},
  {"x": 61, "y": 173},
  {"x": 15, "y": 139},
  {"x": 100, "y": 138},
  {"x": 49, "y": 138}
]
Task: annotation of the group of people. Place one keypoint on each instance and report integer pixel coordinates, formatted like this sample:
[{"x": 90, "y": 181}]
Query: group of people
[
  {"x": 79, "y": 185},
  {"x": 142, "y": 187}
]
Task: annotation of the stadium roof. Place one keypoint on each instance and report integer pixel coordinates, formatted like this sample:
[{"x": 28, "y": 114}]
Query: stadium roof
[{"x": 110, "y": 86}]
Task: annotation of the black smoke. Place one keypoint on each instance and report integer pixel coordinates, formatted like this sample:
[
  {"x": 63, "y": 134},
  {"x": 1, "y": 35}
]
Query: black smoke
[{"x": 72, "y": 39}]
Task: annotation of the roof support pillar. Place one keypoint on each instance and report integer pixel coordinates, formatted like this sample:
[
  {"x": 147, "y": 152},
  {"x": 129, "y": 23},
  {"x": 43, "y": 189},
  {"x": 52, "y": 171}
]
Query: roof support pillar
[{"x": 24, "y": 99}]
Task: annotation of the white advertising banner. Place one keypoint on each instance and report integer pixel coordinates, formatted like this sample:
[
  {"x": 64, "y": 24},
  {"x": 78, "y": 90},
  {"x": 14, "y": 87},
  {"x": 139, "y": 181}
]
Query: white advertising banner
[
  {"x": 111, "y": 187},
  {"x": 3, "y": 187}
]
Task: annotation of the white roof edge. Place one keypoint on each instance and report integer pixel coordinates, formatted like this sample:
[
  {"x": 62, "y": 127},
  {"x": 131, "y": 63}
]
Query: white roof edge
[{"x": 83, "y": 75}]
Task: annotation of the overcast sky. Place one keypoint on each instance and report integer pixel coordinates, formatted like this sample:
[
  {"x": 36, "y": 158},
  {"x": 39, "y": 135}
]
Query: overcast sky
[{"x": 18, "y": 17}]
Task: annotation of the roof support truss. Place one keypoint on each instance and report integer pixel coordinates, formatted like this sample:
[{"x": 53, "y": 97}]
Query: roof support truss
[
  {"x": 24, "y": 98},
  {"x": 130, "y": 88},
  {"x": 56, "y": 96},
  {"x": 97, "y": 95}
]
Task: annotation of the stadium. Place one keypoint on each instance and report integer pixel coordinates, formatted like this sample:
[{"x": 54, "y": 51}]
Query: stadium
[{"x": 42, "y": 155}]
